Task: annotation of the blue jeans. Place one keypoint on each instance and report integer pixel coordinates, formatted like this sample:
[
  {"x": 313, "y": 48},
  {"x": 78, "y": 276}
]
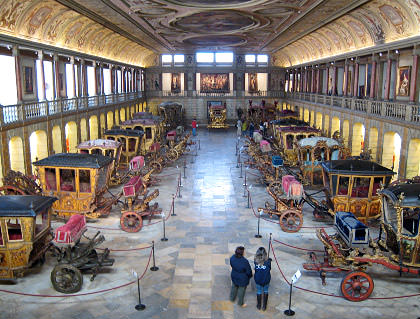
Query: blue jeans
[
  {"x": 194, "y": 131},
  {"x": 260, "y": 289}
]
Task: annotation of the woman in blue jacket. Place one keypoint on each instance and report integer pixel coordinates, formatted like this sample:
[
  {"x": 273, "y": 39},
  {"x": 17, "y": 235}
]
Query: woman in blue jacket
[
  {"x": 262, "y": 276},
  {"x": 241, "y": 273}
]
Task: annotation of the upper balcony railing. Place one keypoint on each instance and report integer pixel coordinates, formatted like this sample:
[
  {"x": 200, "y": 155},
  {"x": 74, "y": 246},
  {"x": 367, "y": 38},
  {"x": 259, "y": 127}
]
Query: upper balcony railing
[
  {"x": 392, "y": 110},
  {"x": 11, "y": 114},
  {"x": 216, "y": 93}
]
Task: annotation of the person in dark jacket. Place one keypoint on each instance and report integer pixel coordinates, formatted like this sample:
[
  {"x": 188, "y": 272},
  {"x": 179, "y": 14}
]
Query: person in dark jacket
[
  {"x": 241, "y": 273},
  {"x": 262, "y": 276}
]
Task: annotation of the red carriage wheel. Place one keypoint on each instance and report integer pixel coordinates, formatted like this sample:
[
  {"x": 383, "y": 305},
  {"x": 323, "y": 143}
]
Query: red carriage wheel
[
  {"x": 357, "y": 286},
  {"x": 11, "y": 190},
  {"x": 291, "y": 221},
  {"x": 131, "y": 222}
]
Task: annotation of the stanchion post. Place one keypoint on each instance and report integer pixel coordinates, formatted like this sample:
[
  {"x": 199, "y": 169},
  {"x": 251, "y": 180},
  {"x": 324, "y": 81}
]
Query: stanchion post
[
  {"x": 238, "y": 159},
  {"x": 164, "y": 229},
  {"x": 185, "y": 166},
  {"x": 269, "y": 245},
  {"x": 241, "y": 172},
  {"x": 199, "y": 145},
  {"x": 248, "y": 198},
  {"x": 173, "y": 205},
  {"x": 236, "y": 148},
  {"x": 180, "y": 180},
  {"x": 154, "y": 267},
  {"x": 290, "y": 312},
  {"x": 140, "y": 306},
  {"x": 258, "y": 227},
  {"x": 245, "y": 180}
]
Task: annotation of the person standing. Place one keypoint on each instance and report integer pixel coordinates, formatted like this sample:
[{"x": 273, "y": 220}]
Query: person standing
[
  {"x": 194, "y": 127},
  {"x": 240, "y": 275},
  {"x": 262, "y": 277}
]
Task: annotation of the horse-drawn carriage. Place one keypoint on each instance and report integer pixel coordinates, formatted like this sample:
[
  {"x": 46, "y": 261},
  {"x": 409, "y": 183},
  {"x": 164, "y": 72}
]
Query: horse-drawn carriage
[
  {"x": 286, "y": 114},
  {"x": 217, "y": 115},
  {"x": 153, "y": 131},
  {"x": 172, "y": 113},
  {"x": 25, "y": 238},
  {"x": 351, "y": 250},
  {"x": 131, "y": 141},
  {"x": 79, "y": 181}
]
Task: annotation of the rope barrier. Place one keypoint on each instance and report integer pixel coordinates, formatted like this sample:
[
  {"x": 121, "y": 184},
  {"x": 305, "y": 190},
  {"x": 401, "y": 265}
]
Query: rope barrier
[
  {"x": 327, "y": 294},
  {"x": 298, "y": 248},
  {"x": 131, "y": 249},
  {"x": 81, "y": 294}
]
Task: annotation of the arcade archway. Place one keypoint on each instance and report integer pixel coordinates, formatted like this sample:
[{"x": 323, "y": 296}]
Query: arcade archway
[
  {"x": 413, "y": 163},
  {"x": 93, "y": 127},
  {"x": 70, "y": 132},
  {"x": 56, "y": 139},
  {"x": 358, "y": 139},
  {"x": 17, "y": 161}
]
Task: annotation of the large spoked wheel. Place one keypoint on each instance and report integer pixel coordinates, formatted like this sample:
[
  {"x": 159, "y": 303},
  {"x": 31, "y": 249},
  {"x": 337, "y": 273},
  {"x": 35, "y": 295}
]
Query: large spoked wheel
[
  {"x": 275, "y": 187},
  {"x": 172, "y": 155},
  {"x": 11, "y": 190},
  {"x": 131, "y": 222},
  {"x": 156, "y": 166},
  {"x": 291, "y": 221},
  {"x": 357, "y": 286},
  {"x": 66, "y": 278}
]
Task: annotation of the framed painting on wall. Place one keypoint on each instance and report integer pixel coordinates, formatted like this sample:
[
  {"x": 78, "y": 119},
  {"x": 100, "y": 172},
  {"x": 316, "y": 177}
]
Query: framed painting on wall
[
  {"x": 252, "y": 82},
  {"x": 403, "y": 81},
  {"x": 214, "y": 82},
  {"x": 28, "y": 80},
  {"x": 176, "y": 83}
]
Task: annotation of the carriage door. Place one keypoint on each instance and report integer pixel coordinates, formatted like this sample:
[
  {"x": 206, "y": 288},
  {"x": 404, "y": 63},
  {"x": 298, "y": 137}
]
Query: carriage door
[
  {"x": 68, "y": 198},
  {"x": 51, "y": 185},
  {"x": 85, "y": 190},
  {"x": 359, "y": 198}
]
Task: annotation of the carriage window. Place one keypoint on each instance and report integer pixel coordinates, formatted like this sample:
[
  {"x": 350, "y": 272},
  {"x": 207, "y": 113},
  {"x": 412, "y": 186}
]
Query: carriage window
[
  {"x": 122, "y": 141},
  {"x": 67, "y": 178},
  {"x": 148, "y": 133},
  {"x": 319, "y": 154},
  {"x": 343, "y": 185},
  {"x": 311, "y": 135},
  {"x": 84, "y": 179},
  {"x": 390, "y": 213},
  {"x": 1, "y": 238},
  {"x": 50, "y": 179},
  {"x": 41, "y": 221},
  {"x": 377, "y": 181},
  {"x": 109, "y": 153},
  {"x": 289, "y": 142},
  {"x": 14, "y": 229},
  {"x": 84, "y": 151},
  {"x": 387, "y": 180},
  {"x": 138, "y": 128},
  {"x": 410, "y": 221},
  {"x": 334, "y": 183},
  {"x": 96, "y": 151},
  {"x": 299, "y": 137},
  {"x": 360, "y": 187},
  {"x": 111, "y": 138},
  {"x": 132, "y": 144}
]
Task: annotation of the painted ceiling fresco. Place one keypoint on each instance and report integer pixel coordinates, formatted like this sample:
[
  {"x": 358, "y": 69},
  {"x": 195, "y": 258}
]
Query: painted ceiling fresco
[
  {"x": 136, "y": 31},
  {"x": 376, "y": 22},
  {"x": 49, "y": 22}
]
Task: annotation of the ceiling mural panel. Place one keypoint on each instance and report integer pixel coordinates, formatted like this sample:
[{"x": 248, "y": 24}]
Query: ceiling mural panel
[{"x": 378, "y": 21}]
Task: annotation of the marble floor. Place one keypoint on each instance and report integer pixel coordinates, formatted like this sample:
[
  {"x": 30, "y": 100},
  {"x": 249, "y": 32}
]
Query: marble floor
[{"x": 193, "y": 279}]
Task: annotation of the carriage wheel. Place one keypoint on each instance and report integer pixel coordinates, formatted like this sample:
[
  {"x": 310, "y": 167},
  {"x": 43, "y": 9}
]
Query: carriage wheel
[
  {"x": 156, "y": 166},
  {"x": 172, "y": 155},
  {"x": 291, "y": 221},
  {"x": 357, "y": 286},
  {"x": 11, "y": 190},
  {"x": 66, "y": 278},
  {"x": 276, "y": 188},
  {"x": 131, "y": 222}
]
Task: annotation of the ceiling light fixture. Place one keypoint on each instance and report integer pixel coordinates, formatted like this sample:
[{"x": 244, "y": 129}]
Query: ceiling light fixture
[
  {"x": 396, "y": 51},
  {"x": 352, "y": 59},
  {"x": 380, "y": 53}
]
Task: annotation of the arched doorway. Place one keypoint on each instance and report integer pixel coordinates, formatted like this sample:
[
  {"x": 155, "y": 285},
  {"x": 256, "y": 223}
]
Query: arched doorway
[
  {"x": 301, "y": 113},
  {"x": 327, "y": 124},
  {"x": 306, "y": 115},
  {"x": 312, "y": 118},
  {"x": 132, "y": 110},
  {"x": 103, "y": 124},
  {"x": 83, "y": 130},
  {"x": 373, "y": 142},
  {"x": 391, "y": 151},
  {"x": 110, "y": 120},
  {"x": 122, "y": 115},
  {"x": 93, "y": 127},
  {"x": 56, "y": 138},
  {"x": 318, "y": 121},
  {"x": 70, "y": 132},
  {"x": 117, "y": 118},
  {"x": 38, "y": 146},
  {"x": 335, "y": 125},
  {"x": 127, "y": 113},
  {"x": 358, "y": 139},
  {"x": 346, "y": 128},
  {"x": 17, "y": 161},
  {"x": 413, "y": 163}
]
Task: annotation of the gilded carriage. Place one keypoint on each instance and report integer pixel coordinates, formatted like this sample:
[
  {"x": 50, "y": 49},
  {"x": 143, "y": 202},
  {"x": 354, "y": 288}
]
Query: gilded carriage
[
  {"x": 286, "y": 114},
  {"x": 131, "y": 141},
  {"x": 79, "y": 181},
  {"x": 351, "y": 250},
  {"x": 352, "y": 185},
  {"x": 25, "y": 232},
  {"x": 172, "y": 113},
  {"x": 312, "y": 152},
  {"x": 153, "y": 131},
  {"x": 104, "y": 147},
  {"x": 217, "y": 115}
]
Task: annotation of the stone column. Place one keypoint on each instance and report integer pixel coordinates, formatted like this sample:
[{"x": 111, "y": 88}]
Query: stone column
[
  {"x": 318, "y": 84},
  {"x": 312, "y": 80},
  {"x": 356, "y": 79},
  {"x": 346, "y": 78},
  {"x": 95, "y": 87},
  {"x": 73, "y": 76},
  {"x": 111, "y": 70},
  {"x": 373, "y": 77},
  {"x": 16, "y": 55},
  {"x": 83, "y": 77},
  {"x": 334, "y": 81},
  {"x": 42, "y": 75},
  {"x": 413, "y": 81},
  {"x": 56, "y": 73},
  {"x": 388, "y": 78}
]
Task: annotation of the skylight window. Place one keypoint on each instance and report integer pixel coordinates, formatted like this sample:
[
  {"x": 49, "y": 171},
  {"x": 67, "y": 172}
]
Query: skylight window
[
  {"x": 224, "y": 57},
  {"x": 250, "y": 58},
  {"x": 179, "y": 58},
  {"x": 166, "y": 58},
  {"x": 205, "y": 57},
  {"x": 262, "y": 58}
]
